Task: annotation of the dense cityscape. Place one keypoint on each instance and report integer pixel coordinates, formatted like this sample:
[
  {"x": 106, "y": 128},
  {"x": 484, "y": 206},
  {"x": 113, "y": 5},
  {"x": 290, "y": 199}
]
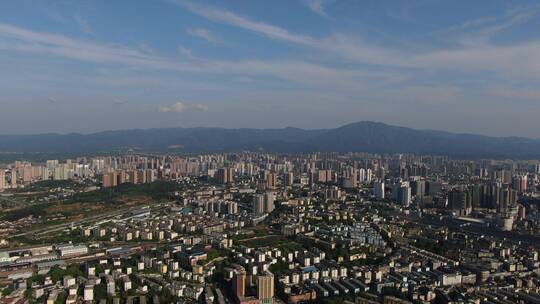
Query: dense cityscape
[
  {"x": 270, "y": 228},
  {"x": 269, "y": 152}
]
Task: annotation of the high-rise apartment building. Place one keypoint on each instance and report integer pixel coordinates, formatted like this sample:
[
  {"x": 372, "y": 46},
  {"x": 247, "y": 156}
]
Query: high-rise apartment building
[
  {"x": 258, "y": 204},
  {"x": 520, "y": 183},
  {"x": 378, "y": 190},
  {"x": 269, "y": 202},
  {"x": 225, "y": 175},
  {"x": 3, "y": 182},
  {"x": 265, "y": 287},
  {"x": 239, "y": 283},
  {"x": 418, "y": 188},
  {"x": 460, "y": 201},
  {"x": 289, "y": 178},
  {"x": 404, "y": 195},
  {"x": 14, "y": 178},
  {"x": 324, "y": 176},
  {"x": 271, "y": 181}
]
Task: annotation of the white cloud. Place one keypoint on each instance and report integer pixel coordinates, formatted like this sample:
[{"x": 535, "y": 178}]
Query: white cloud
[
  {"x": 118, "y": 101},
  {"x": 184, "y": 51},
  {"x": 83, "y": 24},
  {"x": 227, "y": 17},
  {"x": 366, "y": 63},
  {"x": 468, "y": 57},
  {"x": 510, "y": 93},
  {"x": 204, "y": 34},
  {"x": 179, "y": 107},
  {"x": 21, "y": 40},
  {"x": 481, "y": 30},
  {"x": 199, "y": 107},
  {"x": 316, "y": 6},
  {"x": 346, "y": 47}
]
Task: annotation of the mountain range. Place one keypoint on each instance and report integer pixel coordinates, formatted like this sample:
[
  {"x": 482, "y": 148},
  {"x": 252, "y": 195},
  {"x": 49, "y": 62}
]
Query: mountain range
[{"x": 364, "y": 136}]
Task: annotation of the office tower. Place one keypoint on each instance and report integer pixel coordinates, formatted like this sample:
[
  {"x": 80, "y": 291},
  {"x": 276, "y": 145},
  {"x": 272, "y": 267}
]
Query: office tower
[
  {"x": 378, "y": 190},
  {"x": 269, "y": 199},
  {"x": 225, "y": 175},
  {"x": 258, "y": 204},
  {"x": 265, "y": 287},
  {"x": 271, "y": 181}
]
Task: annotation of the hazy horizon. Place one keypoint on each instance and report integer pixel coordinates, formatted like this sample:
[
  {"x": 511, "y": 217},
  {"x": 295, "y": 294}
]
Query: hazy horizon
[
  {"x": 270, "y": 128},
  {"x": 85, "y": 67}
]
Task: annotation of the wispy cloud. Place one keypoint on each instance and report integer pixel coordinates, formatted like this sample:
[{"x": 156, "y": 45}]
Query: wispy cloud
[
  {"x": 22, "y": 40},
  {"x": 484, "y": 56},
  {"x": 350, "y": 48},
  {"x": 317, "y": 6},
  {"x": 230, "y": 18},
  {"x": 118, "y": 101},
  {"x": 367, "y": 63},
  {"x": 83, "y": 24},
  {"x": 482, "y": 30},
  {"x": 186, "y": 52},
  {"x": 199, "y": 107},
  {"x": 204, "y": 34},
  {"x": 511, "y": 93},
  {"x": 179, "y": 107}
]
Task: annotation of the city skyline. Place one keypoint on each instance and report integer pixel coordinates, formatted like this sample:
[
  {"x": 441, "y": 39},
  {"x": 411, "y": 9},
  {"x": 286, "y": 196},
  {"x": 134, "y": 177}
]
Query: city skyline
[
  {"x": 94, "y": 66},
  {"x": 269, "y": 152}
]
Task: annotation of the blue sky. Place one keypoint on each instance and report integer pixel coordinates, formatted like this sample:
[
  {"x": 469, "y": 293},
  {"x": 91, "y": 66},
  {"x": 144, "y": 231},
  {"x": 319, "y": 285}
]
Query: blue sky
[{"x": 86, "y": 66}]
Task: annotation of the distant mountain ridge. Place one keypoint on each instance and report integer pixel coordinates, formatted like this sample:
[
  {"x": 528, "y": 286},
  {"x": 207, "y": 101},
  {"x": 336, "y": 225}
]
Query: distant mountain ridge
[{"x": 364, "y": 136}]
